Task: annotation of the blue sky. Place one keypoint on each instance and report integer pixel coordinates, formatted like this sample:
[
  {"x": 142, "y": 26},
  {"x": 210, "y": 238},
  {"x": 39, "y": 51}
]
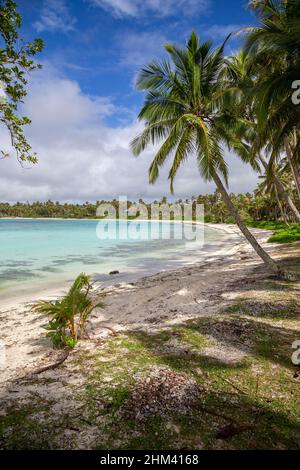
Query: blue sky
[
  {"x": 83, "y": 103},
  {"x": 102, "y": 43}
]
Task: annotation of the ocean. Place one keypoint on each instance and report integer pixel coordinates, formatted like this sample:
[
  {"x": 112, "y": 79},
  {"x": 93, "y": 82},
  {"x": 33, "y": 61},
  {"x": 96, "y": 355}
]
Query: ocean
[{"x": 52, "y": 252}]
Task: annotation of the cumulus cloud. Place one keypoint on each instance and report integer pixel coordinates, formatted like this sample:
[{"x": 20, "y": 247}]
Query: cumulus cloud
[
  {"x": 55, "y": 16},
  {"x": 82, "y": 158},
  {"x": 136, "y": 8}
]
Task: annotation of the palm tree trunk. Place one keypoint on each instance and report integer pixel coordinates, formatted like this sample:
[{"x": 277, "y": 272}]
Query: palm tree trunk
[
  {"x": 285, "y": 195},
  {"x": 245, "y": 231},
  {"x": 294, "y": 168}
]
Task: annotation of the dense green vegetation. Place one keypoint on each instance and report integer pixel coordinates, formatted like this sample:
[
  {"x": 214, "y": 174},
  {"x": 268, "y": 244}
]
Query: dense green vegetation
[
  {"x": 48, "y": 209},
  {"x": 283, "y": 233},
  {"x": 286, "y": 235},
  {"x": 16, "y": 63}
]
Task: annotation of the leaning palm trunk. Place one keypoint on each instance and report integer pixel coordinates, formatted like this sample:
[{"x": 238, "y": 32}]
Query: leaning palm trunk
[
  {"x": 294, "y": 168},
  {"x": 283, "y": 193},
  {"x": 184, "y": 112},
  {"x": 245, "y": 231}
]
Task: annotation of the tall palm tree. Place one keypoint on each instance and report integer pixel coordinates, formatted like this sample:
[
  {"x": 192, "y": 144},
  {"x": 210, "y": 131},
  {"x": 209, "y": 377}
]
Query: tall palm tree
[
  {"x": 275, "y": 44},
  {"x": 269, "y": 188},
  {"x": 183, "y": 108},
  {"x": 239, "y": 77}
]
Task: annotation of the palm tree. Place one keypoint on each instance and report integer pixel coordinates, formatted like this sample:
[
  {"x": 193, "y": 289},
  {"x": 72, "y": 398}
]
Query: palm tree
[
  {"x": 269, "y": 188},
  {"x": 239, "y": 77},
  {"x": 183, "y": 107},
  {"x": 275, "y": 45}
]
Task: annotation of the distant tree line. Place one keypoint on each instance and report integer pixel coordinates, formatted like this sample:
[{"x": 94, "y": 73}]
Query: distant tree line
[{"x": 256, "y": 206}]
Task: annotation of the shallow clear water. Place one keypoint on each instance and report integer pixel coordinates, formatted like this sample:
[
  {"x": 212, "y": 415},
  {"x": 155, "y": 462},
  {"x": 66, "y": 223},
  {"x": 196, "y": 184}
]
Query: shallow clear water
[{"x": 55, "y": 251}]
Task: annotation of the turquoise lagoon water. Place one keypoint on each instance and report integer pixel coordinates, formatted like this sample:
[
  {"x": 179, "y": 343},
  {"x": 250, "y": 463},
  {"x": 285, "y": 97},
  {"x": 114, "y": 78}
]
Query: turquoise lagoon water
[{"x": 52, "y": 252}]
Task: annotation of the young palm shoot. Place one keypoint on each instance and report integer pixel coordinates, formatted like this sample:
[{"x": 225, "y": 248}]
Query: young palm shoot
[{"x": 69, "y": 315}]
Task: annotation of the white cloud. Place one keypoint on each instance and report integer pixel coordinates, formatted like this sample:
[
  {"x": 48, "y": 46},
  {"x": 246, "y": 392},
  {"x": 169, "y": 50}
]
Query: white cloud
[
  {"x": 138, "y": 49},
  {"x": 55, "y": 16},
  {"x": 82, "y": 158},
  {"x": 136, "y": 8},
  {"x": 222, "y": 31}
]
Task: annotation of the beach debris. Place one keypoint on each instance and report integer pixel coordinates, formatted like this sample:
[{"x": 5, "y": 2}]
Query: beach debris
[
  {"x": 235, "y": 331},
  {"x": 56, "y": 364},
  {"x": 162, "y": 393}
]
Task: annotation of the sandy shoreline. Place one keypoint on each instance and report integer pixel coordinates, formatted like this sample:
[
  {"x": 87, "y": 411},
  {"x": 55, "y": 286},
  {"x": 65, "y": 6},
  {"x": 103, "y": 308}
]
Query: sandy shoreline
[{"x": 22, "y": 331}]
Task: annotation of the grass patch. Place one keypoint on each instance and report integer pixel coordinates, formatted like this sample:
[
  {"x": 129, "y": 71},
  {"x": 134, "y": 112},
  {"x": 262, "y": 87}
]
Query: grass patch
[
  {"x": 252, "y": 403},
  {"x": 286, "y": 235},
  {"x": 267, "y": 224},
  {"x": 283, "y": 232},
  {"x": 280, "y": 309},
  {"x": 28, "y": 433}
]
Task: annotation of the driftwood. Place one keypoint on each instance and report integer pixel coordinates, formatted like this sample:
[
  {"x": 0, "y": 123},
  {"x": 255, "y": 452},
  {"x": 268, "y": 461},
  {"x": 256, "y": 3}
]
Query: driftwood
[{"x": 56, "y": 364}]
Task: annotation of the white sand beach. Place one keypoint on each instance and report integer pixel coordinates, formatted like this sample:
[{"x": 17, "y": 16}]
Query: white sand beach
[{"x": 166, "y": 297}]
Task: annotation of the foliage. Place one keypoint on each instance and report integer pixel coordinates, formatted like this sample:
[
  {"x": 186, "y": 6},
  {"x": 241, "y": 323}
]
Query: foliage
[
  {"x": 275, "y": 45},
  {"x": 69, "y": 314},
  {"x": 184, "y": 111},
  {"x": 16, "y": 60},
  {"x": 267, "y": 225},
  {"x": 287, "y": 235},
  {"x": 49, "y": 209},
  {"x": 273, "y": 48}
]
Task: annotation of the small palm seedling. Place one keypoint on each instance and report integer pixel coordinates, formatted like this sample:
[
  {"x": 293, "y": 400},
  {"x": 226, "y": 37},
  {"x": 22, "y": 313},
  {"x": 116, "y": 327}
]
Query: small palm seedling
[{"x": 69, "y": 315}]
